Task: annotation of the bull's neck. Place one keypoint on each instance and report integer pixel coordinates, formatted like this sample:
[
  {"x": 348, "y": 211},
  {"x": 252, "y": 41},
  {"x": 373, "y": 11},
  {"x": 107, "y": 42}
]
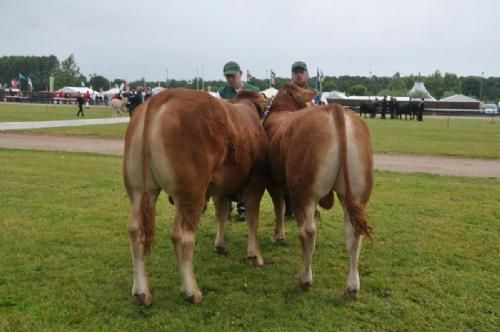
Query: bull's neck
[
  {"x": 250, "y": 104},
  {"x": 283, "y": 102}
]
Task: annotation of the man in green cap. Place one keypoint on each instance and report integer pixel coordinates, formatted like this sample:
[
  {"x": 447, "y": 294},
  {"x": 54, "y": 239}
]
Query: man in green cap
[
  {"x": 300, "y": 76},
  {"x": 233, "y": 72}
]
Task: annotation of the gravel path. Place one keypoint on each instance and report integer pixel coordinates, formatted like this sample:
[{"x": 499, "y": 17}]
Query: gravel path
[{"x": 386, "y": 162}]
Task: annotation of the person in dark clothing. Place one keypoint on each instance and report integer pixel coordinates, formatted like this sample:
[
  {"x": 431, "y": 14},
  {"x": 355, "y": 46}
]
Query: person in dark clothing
[
  {"x": 148, "y": 94},
  {"x": 80, "y": 101},
  {"x": 392, "y": 107},
  {"x": 134, "y": 100},
  {"x": 233, "y": 72},
  {"x": 420, "y": 111},
  {"x": 384, "y": 107}
]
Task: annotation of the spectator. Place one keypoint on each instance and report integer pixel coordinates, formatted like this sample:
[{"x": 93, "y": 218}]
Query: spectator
[
  {"x": 79, "y": 101},
  {"x": 233, "y": 72}
]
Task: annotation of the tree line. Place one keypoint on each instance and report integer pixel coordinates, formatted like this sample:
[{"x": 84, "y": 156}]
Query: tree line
[{"x": 67, "y": 73}]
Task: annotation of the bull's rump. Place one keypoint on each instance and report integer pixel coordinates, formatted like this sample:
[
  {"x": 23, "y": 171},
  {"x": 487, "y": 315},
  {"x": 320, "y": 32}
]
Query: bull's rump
[
  {"x": 306, "y": 156},
  {"x": 191, "y": 141}
]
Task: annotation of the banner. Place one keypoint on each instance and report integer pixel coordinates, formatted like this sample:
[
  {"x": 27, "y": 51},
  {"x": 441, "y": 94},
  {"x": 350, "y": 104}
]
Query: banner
[{"x": 51, "y": 84}]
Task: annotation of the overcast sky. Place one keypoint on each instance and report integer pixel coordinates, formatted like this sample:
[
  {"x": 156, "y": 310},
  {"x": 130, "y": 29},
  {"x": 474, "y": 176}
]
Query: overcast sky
[{"x": 130, "y": 39}]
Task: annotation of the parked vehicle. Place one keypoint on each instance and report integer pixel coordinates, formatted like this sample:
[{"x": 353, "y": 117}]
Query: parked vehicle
[{"x": 490, "y": 109}]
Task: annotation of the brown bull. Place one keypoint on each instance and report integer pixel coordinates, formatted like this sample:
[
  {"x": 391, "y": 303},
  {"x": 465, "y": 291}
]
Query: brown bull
[
  {"x": 313, "y": 152},
  {"x": 192, "y": 146}
]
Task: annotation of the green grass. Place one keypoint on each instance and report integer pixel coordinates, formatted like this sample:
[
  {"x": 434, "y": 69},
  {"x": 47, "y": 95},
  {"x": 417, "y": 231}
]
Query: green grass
[
  {"x": 104, "y": 131},
  {"x": 14, "y": 112},
  {"x": 470, "y": 138},
  {"x": 65, "y": 258}
]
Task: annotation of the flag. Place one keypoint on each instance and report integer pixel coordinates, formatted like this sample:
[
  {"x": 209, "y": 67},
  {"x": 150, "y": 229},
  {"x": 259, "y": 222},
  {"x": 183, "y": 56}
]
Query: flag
[
  {"x": 249, "y": 76},
  {"x": 30, "y": 84},
  {"x": 14, "y": 84},
  {"x": 318, "y": 82},
  {"x": 321, "y": 77},
  {"x": 273, "y": 78},
  {"x": 21, "y": 77},
  {"x": 51, "y": 84},
  {"x": 82, "y": 83}
]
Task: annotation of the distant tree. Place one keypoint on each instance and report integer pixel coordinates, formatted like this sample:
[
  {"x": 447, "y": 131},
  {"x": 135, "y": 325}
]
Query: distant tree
[
  {"x": 471, "y": 86},
  {"x": 68, "y": 74},
  {"x": 435, "y": 84},
  {"x": 448, "y": 93},
  {"x": 451, "y": 82},
  {"x": 329, "y": 84},
  {"x": 37, "y": 68},
  {"x": 392, "y": 92},
  {"x": 358, "y": 90},
  {"x": 98, "y": 82}
]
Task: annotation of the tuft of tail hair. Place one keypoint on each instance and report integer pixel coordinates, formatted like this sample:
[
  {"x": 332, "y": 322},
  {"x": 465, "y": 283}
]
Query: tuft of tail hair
[{"x": 357, "y": 213}]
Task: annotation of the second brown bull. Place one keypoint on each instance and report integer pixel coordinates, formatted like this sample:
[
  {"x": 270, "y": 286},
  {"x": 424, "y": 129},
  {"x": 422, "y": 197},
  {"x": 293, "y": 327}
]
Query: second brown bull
[{"x": 312, "y": 152}]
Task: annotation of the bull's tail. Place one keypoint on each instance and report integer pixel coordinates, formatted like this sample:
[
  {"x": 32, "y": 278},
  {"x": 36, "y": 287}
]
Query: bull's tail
[
  {"x": 147, "y": 222},
  {"x": 356, "y": 211},
  {"x": 146, "y": 208}
]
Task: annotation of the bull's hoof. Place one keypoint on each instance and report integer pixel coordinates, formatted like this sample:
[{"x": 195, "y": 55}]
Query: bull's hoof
[
  {"x": 255, "y": 261},
  {"x": 144, "y": 299},
  {"x": 305, "y": 285},
  {"x": 221, "y": 250},
  {"x": 194, "y": 298},
  {"x": 351, "y": 293}
]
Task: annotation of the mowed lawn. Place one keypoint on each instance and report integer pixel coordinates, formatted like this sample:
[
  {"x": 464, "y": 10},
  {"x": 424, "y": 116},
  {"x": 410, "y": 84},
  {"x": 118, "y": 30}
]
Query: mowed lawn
[
  {"x": 14, "y": 112},
  {"x": 65, "y": 258},
  {"x": 460, "y": 137}
]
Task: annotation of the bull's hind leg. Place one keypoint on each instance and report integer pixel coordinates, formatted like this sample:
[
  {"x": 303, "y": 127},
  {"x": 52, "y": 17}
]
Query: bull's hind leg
[
  {"x": 221, "y": 216},
  {"x": 140, "y": 288},
  {"x": 307, "y": 234},
  {"x": 253, "y": 196},
  {"x": 278, "y": 198},
  {"x": 187, "y": 218},
  {"x": 353, "y": 246}
]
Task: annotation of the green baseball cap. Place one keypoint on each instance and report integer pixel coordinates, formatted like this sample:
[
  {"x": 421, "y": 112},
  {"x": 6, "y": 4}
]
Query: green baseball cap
[
  {"x": 231, "y": 68},
  {"x": 299, "y": 65}
]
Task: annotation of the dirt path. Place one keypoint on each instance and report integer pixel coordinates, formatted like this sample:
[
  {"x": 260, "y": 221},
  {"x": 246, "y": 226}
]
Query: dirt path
[{"x": 387, "y": 162}]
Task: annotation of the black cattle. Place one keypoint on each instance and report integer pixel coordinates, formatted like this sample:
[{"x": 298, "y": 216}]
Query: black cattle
[
  {"x": 369, "y": 108},
  {"x": 412, "y": 109}
]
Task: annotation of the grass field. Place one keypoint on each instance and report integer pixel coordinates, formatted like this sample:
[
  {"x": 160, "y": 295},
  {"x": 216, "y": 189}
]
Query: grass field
[
  {"x": 65, "y": 260},
  {"x": 13, "y": 112},
  {"x": 469, "y": 138}
]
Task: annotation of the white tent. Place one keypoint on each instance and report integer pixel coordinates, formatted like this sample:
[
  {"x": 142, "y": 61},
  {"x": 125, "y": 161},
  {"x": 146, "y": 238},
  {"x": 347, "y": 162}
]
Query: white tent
[
  {"x": 269, "y": 93},
  {"x": 77, "y": 89},
  {"x": 460, "y": 99},
  {"x": 419, "y": 91},
  {"x": 335, "y": 95},
  {"x": 111, "y": 92}
]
